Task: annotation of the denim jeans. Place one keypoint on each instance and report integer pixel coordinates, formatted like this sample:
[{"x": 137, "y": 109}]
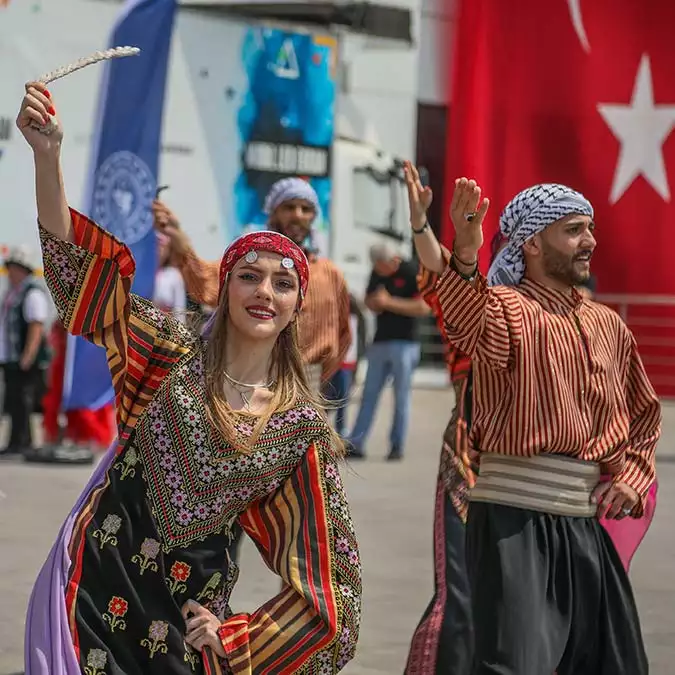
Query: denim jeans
[
  {"x": 398, "y": 359},
  {"x": 337, "y": 389}
]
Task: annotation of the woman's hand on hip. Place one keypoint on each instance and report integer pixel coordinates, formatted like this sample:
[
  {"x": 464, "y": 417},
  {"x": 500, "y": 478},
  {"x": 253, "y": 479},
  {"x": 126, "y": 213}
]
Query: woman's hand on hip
[{"x": 202, "y": 628}]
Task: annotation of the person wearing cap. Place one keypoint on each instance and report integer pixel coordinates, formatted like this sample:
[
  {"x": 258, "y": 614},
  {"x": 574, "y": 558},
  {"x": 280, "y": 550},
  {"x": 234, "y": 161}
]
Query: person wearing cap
[
  {"x": 291, "y": 206},
  {"x": 23, "y": 348}
]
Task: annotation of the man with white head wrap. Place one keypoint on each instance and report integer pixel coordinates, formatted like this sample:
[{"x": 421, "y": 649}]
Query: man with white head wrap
[
  {"x": 566, "y": 424},
  {"x": 291, "y": 206}
]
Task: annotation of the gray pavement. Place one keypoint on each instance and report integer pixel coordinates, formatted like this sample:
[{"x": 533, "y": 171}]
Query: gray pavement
[{"x": 392, "y": 508}]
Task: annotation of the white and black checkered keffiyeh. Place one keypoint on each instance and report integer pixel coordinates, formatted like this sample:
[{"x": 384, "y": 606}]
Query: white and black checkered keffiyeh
[{"x": 528, "y": 213}]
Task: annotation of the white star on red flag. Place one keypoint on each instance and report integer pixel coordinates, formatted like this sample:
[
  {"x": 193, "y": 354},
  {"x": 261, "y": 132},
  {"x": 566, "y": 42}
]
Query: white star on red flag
[{"x": 641, "y": 127}]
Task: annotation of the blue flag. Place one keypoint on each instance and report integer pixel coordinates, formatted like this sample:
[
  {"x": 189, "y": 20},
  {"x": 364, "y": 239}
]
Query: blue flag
[{"x": 123, "y": 171}]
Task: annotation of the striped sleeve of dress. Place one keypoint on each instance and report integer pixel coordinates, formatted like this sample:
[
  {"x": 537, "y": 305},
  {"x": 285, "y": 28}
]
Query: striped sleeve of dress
[
  {"x": 484, "y": 323},
  {"x": 90, "y": 281},
  {"x": 305, "y": 534},
  {"x": 645, "y": 429}
]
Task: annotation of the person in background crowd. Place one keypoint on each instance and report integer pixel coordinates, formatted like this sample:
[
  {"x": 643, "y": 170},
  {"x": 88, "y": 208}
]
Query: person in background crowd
[
  {"x": 86, "y": 431},
  {"x": 557, "y": 487},
  {"x": 338, "y": 389},
  {"x": 169, "y": 293},
  {"x": 291, "y": 206},
  {"x": 24, "y": 353},
  {"x": 395, "y": 351}
]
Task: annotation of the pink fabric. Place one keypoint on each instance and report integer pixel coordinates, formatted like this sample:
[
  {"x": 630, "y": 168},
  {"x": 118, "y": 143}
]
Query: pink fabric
[{"x": 627, "y": 534}]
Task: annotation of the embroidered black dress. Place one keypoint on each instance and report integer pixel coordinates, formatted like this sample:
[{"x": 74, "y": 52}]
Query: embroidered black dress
[{"x": 154, "y": 533}]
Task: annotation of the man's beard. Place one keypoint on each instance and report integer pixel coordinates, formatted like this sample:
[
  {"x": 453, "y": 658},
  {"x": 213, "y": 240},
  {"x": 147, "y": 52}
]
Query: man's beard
[
  {"x": 288, "y": 231},
  {"x": 561, "y": 267}
]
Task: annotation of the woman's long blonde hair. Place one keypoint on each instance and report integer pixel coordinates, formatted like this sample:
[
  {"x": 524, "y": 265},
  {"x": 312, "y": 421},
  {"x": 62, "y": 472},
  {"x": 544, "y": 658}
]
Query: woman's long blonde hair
[{"x": 287, "y": 369}]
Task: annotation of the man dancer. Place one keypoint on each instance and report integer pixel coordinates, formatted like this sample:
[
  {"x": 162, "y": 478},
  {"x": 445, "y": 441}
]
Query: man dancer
[
  {"x": 324, "y": 325},
  {"x": 560, "y": 397}
]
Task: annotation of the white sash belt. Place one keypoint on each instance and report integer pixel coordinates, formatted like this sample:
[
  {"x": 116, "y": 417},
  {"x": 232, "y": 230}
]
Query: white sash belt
[{"x": 549, "y": 483}]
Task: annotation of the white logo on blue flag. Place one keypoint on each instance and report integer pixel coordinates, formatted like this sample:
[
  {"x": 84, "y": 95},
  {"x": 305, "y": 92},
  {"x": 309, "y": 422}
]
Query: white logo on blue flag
[{"x": 123, "y": 194}]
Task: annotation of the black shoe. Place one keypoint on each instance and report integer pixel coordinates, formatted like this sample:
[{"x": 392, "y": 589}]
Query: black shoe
[
  {"x": 396, "y": 453},
  {"x": 353, "y": 452},
  {"x": 11, "y": 451}
]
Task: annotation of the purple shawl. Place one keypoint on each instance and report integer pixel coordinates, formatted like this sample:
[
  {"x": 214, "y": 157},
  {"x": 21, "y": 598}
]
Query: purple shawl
[{"x": 48, "y": 648}]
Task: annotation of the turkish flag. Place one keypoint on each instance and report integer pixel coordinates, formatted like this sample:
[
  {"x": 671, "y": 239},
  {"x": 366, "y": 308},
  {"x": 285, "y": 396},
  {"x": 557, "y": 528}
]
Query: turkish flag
[{"x": 580, "y": 93}]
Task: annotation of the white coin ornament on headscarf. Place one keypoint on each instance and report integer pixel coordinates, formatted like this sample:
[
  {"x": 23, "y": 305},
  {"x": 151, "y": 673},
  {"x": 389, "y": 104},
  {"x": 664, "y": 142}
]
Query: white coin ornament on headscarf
[
  {"x": 251, "y": 257},
  {"x": 287, "y": 263},
  {"x": 528, "y": 213},
  {"x": 114, "y": 53}
]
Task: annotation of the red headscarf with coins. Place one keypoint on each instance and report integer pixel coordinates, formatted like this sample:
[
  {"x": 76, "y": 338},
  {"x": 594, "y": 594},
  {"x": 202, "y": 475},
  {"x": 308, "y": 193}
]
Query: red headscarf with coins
[{"x": 248, "y": 246}]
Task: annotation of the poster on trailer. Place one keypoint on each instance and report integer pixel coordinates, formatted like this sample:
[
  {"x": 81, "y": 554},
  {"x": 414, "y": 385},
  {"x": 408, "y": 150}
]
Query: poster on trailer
[
  {"x": 267, "y": 99},
  {"x": 245, "y": 105}
]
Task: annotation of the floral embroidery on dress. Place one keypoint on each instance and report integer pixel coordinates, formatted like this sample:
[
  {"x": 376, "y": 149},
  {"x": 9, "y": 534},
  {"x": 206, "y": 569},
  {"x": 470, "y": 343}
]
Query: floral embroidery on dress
[
  {"x": 117, "y": 610},
  {"x": 106, "y": 533},
  {"x": 127, "y": 463},
  {"x": 180, "y": 573},
  {"x": 197, "y": 483},
  {"x": 96, "y": 662},
  {"x": 146, "y": 558},
  {"x": 211, "y": 588},
  {"x": 155, "y": 642},
  {"x": 191, "y": 656}
]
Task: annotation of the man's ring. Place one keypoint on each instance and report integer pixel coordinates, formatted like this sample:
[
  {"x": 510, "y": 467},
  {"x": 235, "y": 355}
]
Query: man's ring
[
  {"x": 470, "y": 216},
  {"x": 627, "y": 512}
]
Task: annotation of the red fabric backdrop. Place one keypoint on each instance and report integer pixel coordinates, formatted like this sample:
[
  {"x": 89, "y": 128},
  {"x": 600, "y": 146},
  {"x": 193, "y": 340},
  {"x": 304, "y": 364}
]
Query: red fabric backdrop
[{"x": 581, "y": 93}]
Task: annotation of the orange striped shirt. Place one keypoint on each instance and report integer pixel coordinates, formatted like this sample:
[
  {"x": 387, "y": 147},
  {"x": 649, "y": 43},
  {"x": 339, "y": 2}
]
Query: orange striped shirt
[
  {"x": 554, "y": 373},
  {"x": 324, "y": 326}
]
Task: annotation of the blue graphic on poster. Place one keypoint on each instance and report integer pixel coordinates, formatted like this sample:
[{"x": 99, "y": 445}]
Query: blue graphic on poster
[{"x": 286, "y": 121}]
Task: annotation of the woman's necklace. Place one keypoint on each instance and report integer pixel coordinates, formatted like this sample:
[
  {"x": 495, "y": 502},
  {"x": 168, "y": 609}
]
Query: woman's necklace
[{"x": 239, "y": 386}]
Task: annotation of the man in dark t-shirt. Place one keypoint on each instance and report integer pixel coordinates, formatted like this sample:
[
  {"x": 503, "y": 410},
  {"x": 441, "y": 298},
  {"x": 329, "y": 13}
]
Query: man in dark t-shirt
[{"x": 395, "y": 352}]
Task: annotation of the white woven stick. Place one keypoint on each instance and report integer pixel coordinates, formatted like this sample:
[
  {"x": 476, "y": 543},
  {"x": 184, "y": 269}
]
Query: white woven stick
[{"x": 114, "y": 53}]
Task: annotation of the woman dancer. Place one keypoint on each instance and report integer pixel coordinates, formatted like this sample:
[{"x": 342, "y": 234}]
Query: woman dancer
[
  {"x": 213, "y": 430},
  {"x": 443, "y": 639}
]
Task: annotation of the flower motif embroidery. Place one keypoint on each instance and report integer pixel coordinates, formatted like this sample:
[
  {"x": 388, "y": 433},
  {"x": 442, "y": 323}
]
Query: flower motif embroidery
[
  {"x": 346, "y": 591},
  {"x": 108, "y": 530},
  {"x": 180, "y": 572},
  {"x": 117, "y": 610},
  {"x": 146, "y": 559},
  {"x": 191, "y": 656},
  {"x": 96, "y": 662},
  {"x": 155, "y": 642},
  {"x": 127, "y": 463},
  {"x": 342, "y": 545},
  {"x": 209, "y": 591}
]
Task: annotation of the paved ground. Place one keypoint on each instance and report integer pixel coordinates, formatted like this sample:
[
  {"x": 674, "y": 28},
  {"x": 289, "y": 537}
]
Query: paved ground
[{"x": 392, "y": 507}]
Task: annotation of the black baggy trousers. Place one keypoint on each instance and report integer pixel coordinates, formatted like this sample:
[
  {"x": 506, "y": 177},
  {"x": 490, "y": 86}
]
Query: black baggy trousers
[{"x": 549, "y": 595}]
